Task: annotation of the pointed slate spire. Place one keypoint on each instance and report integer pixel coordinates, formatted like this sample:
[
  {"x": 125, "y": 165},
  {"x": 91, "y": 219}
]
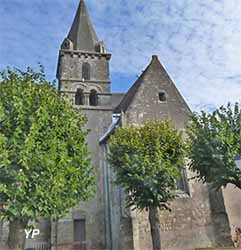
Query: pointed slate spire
[{"x": 82, "y": 33}]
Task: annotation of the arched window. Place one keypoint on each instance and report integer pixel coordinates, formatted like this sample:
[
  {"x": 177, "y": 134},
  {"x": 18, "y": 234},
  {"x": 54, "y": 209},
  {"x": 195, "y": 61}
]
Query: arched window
[
  {"x": 86, "y": 71},
  {"x": 93, "y": 98},
  {"x": 79, "y": 97}
]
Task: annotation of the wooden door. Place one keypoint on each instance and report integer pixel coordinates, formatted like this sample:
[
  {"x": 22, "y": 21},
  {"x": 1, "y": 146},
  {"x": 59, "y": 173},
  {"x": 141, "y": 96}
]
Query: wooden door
[{"x": 80, "y": 234}]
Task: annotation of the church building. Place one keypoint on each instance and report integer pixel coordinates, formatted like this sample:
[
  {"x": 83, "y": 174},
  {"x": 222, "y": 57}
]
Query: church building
[{"x": 199, "y": 216}]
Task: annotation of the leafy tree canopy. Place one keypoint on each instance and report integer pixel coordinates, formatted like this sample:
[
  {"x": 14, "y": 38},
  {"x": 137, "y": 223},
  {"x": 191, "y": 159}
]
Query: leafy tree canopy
[
  {"x": 147, "y": 160},
  {"x": 214, "y": 144},
  {"x": 44, "y": 162}
]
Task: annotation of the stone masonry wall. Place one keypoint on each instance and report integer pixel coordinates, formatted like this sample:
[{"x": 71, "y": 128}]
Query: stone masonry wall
[
  {"x": 194, "y": 219},
  {"x": 99, "y": 119}
]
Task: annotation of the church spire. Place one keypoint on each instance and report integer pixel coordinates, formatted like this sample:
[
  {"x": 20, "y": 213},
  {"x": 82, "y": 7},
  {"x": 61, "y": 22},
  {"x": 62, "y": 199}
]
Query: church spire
[{"x": 82, "y": 33}]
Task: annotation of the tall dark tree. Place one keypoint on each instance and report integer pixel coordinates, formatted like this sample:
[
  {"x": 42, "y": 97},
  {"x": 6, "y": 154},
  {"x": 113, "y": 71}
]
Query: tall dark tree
[
  {"x": 147, "y": 161},
  {"x": 44, "y": 161},
  {"x": 215, "y": 145}
]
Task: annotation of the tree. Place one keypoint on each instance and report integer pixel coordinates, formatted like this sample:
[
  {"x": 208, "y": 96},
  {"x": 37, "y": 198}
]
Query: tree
[
  {"x": 147, "y": 161},
  {"x": 44, "y": 162},
  {"x": 214, "y": 144}
]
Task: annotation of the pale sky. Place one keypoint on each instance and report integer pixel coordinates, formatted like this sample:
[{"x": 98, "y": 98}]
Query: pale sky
[{"x": 198, "y": 41}]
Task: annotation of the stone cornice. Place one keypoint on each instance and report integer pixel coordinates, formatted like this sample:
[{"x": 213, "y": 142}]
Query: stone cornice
[
  {"x": 86, "y": 54},
  {"x": 74, "y": 92},
  {"x": 97, "y": 108},
  {"x": 85, "y": 81}
]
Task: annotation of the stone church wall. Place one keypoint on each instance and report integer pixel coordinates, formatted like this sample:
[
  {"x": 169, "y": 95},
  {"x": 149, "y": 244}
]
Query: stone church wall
[
  {"x": 92, "y": 211},
  {"x": 70, "y": 76},
  {"x": 189, "y": 225},
  {"x": 198, "y": 217}
]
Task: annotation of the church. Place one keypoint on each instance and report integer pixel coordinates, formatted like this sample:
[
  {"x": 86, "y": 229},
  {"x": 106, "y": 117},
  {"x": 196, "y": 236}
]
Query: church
[{"x": 200, "y": 217}]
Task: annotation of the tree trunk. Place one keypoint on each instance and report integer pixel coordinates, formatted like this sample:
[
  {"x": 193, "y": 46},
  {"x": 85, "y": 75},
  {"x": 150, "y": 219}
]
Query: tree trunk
[
  {"x": 155, "y": 228},
  {"x": 16, "y": 237}
]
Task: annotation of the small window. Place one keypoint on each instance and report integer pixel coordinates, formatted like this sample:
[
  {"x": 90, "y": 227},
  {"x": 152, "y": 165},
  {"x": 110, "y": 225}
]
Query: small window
[
  {"x": 80, "y": 234},
  {"x": 93, "y": 98},
  {"x": 86, "y": 71},
  {"x": 79, "y": 97},
  {"x": 182, "y": 182},
  {"x": 162, "y": 96}
]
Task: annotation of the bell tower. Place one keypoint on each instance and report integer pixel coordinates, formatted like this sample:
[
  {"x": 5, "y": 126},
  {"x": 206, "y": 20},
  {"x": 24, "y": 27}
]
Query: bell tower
[
  {"x": 83, "y": 77},
  {"x": 83, "y": 66}
]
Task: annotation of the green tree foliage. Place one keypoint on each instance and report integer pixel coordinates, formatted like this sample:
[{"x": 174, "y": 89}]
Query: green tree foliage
[
  {"x": 147, "y": 161},
  {"x": 214, "y": 144},
  {"x": 44, "y": 162}
]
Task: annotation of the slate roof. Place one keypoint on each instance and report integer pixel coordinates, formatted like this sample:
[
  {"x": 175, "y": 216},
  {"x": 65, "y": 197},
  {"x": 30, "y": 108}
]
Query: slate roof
[
  {"x": 115, "y": 124},
  {"x": 82, "y": 33}
]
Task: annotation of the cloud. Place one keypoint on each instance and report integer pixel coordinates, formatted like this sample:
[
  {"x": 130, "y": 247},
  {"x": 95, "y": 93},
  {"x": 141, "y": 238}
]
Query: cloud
[{"x": 197, "y": 41}]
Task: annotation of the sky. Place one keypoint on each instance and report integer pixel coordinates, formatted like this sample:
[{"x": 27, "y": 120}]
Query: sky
[{"x": 198, "y": 41}]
